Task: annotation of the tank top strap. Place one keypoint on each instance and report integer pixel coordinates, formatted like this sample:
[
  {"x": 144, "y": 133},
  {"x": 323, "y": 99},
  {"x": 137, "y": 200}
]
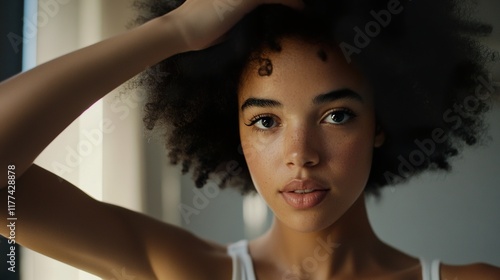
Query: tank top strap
[
  {"x": 430, "y": 270},
  {"x": 242, "y": 262}
]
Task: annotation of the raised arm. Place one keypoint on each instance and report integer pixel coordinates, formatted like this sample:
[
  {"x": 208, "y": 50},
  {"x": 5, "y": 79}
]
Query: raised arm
[{"x": 40, "y": 103}]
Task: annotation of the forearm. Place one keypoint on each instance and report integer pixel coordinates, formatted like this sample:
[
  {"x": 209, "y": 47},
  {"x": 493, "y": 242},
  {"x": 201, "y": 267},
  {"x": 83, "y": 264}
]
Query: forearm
[{"x": 37, "y": 105}]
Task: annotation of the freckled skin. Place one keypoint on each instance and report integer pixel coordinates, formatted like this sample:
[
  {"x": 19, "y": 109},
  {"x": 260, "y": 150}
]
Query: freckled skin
[{"x": 303, "y": 145}]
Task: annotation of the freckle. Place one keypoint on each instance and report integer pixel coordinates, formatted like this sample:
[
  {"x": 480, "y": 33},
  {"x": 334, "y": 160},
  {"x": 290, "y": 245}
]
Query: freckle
[
  {"x": 266, "y": 67},
  {"x": 322, "y": 55}
]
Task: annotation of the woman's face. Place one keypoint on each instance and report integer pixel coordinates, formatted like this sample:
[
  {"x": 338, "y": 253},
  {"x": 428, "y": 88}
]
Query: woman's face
[{"x": 308, "y": 131}]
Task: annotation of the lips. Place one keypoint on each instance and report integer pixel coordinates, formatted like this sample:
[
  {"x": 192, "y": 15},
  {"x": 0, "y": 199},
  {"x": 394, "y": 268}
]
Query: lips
[{"x": 303, "y": 194}]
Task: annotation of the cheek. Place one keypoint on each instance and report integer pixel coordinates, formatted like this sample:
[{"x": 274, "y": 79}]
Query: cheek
[
  {"x": 351, "y": 159},
  {"x": 262, "y": 155},
  {"x": 356, "y": 152}
]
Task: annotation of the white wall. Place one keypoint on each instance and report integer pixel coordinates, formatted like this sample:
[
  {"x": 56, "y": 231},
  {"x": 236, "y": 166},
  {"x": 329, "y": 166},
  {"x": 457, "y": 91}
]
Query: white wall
[{"x": 450, "y": 216}]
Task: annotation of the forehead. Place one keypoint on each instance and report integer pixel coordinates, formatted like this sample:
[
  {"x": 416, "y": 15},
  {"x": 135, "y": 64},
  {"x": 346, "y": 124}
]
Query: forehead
[{"x": 298, "y": 69}]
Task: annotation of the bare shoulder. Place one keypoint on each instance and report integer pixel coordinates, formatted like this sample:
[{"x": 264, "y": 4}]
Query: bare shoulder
[
  {"x": 195, "y": 258},
  {"x": 175, "y": 253},
  {"x": 474, "y": 271}
]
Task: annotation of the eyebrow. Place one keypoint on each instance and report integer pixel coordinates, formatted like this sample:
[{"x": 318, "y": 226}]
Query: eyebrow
[
  {"x": 336, "y": 95},
  {"x": 260, "y": 102},
  {"x": 318, "y": 100}
]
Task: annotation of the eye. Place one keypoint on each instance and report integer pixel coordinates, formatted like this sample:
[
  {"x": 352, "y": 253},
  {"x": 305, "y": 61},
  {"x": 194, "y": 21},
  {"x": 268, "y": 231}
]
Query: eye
[
  {"x": 263, "y": 122},
  {"x": 339, "y": 116}
]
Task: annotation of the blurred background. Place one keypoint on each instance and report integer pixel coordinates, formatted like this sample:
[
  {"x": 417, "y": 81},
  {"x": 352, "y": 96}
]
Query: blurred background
[{"x": 107, "y": 153}]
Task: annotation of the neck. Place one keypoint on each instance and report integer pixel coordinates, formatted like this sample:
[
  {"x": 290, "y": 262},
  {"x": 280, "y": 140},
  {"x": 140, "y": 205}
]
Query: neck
[{"x": 347, "y": 246}]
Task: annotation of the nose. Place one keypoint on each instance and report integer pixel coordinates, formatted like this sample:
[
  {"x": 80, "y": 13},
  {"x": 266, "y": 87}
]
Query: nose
[{"x": 301, "y": 147}]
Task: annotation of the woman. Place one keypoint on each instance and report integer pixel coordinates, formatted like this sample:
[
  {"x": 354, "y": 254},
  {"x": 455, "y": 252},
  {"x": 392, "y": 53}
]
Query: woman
[{"x": 312, "y": 131}]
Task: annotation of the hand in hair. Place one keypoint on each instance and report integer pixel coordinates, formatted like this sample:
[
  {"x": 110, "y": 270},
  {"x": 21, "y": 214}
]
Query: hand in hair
[{"x": 202, "y": 23}]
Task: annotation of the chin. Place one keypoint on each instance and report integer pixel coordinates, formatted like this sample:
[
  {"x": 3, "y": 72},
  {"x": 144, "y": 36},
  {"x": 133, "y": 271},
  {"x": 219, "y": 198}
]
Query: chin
[{"x": 308, "y": 222}]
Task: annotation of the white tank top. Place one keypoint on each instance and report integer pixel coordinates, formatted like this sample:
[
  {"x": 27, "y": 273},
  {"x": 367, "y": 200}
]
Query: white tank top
[{"x": 243, "y": 267}]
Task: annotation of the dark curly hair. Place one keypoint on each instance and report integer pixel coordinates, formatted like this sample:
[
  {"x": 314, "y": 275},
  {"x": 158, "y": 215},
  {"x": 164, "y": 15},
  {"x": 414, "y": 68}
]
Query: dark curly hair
[{"x": 422, "y": 58}]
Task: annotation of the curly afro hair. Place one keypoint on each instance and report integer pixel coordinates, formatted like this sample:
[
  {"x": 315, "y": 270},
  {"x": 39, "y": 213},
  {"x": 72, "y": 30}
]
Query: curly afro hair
[{"x": 428, "y": 72}]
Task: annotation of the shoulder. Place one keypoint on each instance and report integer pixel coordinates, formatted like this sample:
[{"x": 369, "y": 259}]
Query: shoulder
[
  {"x": 471, "y": 271},
  {"x": 191, "y": 257}
]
